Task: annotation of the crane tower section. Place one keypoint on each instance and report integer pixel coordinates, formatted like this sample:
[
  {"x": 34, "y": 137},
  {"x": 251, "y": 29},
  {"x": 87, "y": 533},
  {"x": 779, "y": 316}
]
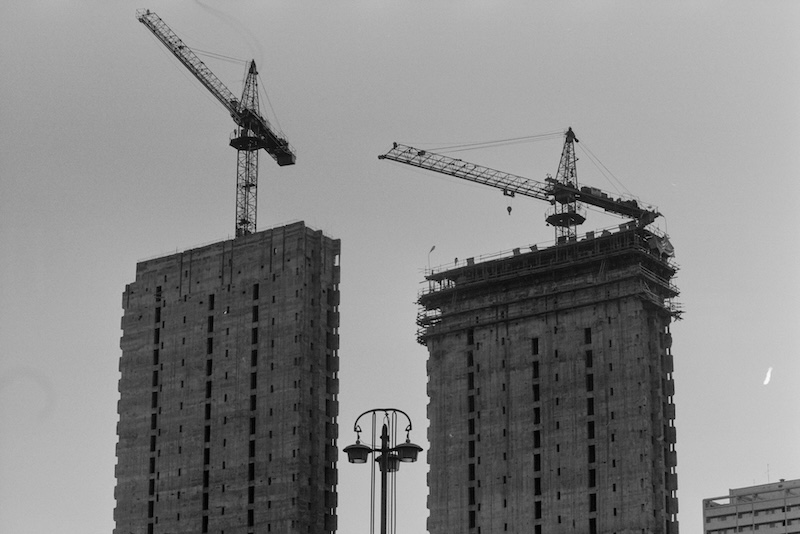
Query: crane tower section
[{"x": 253, "y": 131}]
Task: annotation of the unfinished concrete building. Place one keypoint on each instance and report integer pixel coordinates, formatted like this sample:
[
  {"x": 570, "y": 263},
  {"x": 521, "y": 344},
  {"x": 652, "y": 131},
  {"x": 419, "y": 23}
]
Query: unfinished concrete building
[
  {"x": 550, "y": 385},
  {"x": 773, "y": 508},
  {"x": 228, "y": 388}
]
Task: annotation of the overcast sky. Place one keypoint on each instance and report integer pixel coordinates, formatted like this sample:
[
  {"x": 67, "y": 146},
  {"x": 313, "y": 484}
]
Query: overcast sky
[{"x": 110, "y": 153}]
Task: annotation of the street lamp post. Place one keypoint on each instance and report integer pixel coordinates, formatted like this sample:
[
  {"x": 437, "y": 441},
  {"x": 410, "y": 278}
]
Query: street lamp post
[{"x": 390, "y": 454}]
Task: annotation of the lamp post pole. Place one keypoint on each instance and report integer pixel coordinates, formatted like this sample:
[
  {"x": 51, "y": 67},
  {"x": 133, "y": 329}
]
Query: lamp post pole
[
  {"x": 384, "y": 458},
  {"x": 391, "y": 454}
]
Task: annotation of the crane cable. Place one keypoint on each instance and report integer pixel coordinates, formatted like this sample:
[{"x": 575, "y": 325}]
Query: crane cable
[
  {"x": 606, "y": 172},
  {"x": 272, "y": 109},
  {"x": 500, "y": 142}
]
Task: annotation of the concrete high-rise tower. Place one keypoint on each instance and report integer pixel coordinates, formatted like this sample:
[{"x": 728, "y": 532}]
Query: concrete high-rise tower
[
  {"x": 550, "y": 385},
  {"x": 228, "y": 388}
]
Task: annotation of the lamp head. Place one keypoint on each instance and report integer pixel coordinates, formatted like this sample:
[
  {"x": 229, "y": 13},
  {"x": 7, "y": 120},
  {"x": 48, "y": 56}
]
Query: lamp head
[{"x": 357, "y": 453}]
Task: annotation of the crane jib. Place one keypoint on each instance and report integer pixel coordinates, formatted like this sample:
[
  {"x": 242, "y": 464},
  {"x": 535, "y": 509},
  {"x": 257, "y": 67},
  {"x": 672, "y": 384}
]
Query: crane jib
[{"x": 510, "y": 184}]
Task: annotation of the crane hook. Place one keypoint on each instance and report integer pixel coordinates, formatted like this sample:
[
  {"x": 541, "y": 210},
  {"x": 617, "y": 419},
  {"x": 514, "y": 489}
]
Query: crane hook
[{"x": 509, "y": 210}]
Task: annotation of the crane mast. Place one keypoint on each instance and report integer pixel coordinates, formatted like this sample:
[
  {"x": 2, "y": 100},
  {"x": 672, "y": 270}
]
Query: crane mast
[
  {"x": 562, "y": 192},
  {"x": 253, "y": 131}
]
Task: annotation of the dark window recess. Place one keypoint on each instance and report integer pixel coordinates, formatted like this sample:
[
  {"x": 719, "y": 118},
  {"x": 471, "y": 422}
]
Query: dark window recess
[
  {"x": 158, "y": 315},
  {"x": 592, "y": 502},
  {"x": 535, "y": 392},
  {"x": 210, "y": 345},
  {"x": 592, "y": 478},
  {"x": 593, "y": 525},
  {"x": 255, "y": 291},
  {"x": 252, "y": 449},
  {"x": 155, "y": 378},
  {"x": 152, "y": 465},
  {"x": 151, "y": 487},
  {"x": 590, "y": 429},
  {"x": 253, "y": 380},
  {"x": 472, "y": 518},
  {"x": 208, "y": 411},
  {"x": 205, "y": 479},
  {"x": 251, "y": 495},
  {"x": 537, "y": 462},
  {"x": 535, "y": 369},
  {"x": 592, "y": 454},
  {"x": 590, "y": 382},
  {"x": 590, "y": 406},
  {"x": 255, "y": 314},
  {"x": 537, "y": 439},
  {"x": 205, "y": 501},
  {"x": 210, "y": 323},
  {"x": 155, "y": 356},
  {"x": 152, "y": 444},
  {"x": 589, "y": 358},
  {"x": 470, "y": 336},
  {"x": 537, "y": 510},
  {"x": 150, "y": 508},
  {"x": 535, "y": 346},
  {"x": 537, "y": 486},
  {"x": 471, "y": 426},
  {"x": 251, "y": 518},
  {"x": 206, "y": 456},
  {"x": 205, "y": 524},
  {"x": 210, "y": 302},
  {"x": 470, "y": 359},
  {"x": 254, "y": 357},
  {"x": 587, "y": 335},
  {"x": 471, "y": 471},
  {"x": 153, "y": 421},
  {"x": 537, "y": 416},
  {"x": 207, "y": 434},
  {"x": 471, "y": 403},
  {"x": 156, "y": 335},
  {"x": 254, "y": 336},
  {"x": 251, "y": 472},
  {"x": 471, "y": 380},
  {"x": 252, "y": 402},
  {"x": 472, "y": 449},
  {"x": 208, "y": 389},
  {"x": 154, "y": 400},
  {"x": 209, "y": 366},
  {"x": 158, "y": 293},
  {"x": 471, "y": 494},
  {"x": 252, "y": 425}
]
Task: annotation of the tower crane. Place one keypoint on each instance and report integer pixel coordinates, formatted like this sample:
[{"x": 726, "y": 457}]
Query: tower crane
[
  {"x": 562, "y": 192},
  {"x": 253, "y": 131}
]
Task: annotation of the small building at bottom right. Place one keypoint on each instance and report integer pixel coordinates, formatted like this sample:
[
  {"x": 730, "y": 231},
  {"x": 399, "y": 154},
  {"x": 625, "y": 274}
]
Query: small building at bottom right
[{"x": 773, "y": 508}]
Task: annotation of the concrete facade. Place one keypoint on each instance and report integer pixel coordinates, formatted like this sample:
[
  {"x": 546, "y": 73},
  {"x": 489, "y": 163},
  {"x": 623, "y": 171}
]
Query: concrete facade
[
  {"x": 772, "y": 508},
  {"x": 229, "y": 388},
  {"x": 550, "y": 385}
]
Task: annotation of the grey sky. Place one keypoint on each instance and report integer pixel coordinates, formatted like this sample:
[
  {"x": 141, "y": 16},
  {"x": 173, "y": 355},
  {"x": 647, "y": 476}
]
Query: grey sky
[{"x": 110, "y": 153}]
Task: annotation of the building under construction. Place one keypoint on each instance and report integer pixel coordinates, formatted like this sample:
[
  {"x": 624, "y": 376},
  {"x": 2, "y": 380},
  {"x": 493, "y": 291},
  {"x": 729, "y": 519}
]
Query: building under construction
[
  {"x": 229, "y": 388},
  {"x": 550, "y": 372}
]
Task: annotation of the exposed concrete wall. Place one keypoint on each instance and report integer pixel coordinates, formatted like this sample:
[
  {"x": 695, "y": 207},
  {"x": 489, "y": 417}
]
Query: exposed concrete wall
[
  {"x": 228, "y": 389},
  {"x": 551, "y": 401}
]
